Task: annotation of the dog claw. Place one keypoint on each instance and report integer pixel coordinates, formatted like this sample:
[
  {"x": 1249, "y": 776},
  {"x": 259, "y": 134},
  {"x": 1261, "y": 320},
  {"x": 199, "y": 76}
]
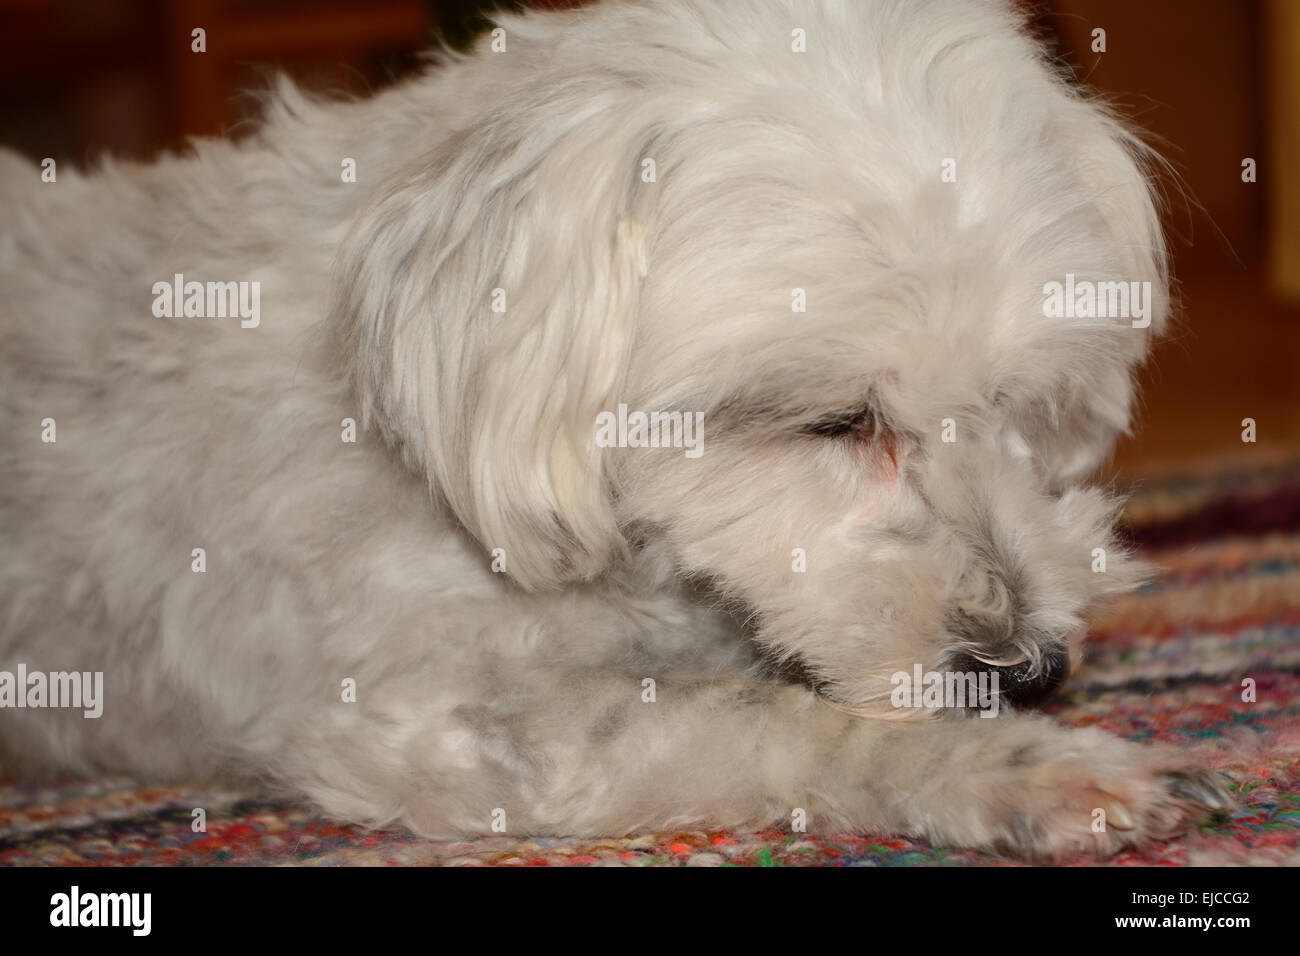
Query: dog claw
[
  {"x": 1117, "y": 815},
  {"x": 1198, "y": 787}
]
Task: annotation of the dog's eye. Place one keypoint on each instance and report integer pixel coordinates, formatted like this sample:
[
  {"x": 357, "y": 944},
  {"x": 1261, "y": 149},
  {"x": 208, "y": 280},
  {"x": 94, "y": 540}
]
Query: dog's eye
[{"x": 860, "y": 425}]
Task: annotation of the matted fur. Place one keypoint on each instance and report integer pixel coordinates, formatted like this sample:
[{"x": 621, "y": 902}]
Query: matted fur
[{"x": 522, "y": 691}]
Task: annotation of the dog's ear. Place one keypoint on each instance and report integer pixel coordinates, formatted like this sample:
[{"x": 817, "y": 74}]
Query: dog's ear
[
  {"x": 1119, "y": 174},
  {"x": 485, "y": 305}
]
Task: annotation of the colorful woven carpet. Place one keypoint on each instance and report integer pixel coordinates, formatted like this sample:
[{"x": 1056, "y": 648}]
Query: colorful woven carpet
[{"x": 1165, "y": 664}]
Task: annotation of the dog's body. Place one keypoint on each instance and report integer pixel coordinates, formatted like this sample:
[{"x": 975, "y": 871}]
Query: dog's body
[{"x": 828, "y": 522}]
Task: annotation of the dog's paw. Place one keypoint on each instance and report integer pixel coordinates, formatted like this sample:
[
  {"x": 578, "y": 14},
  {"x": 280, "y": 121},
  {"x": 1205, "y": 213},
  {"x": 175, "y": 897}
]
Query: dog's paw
[
  {"x": 1077, "y": 805},
  {"x": 1096, "y": 796}
]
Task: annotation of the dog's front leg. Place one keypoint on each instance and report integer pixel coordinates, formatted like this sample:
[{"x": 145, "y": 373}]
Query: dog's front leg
[
  {"x": 601, "y": 752},
  {"x": 742, "y": 754}
]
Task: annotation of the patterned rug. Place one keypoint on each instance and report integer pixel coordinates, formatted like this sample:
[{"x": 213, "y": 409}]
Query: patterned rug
[{"x": 1166, "y": 664}]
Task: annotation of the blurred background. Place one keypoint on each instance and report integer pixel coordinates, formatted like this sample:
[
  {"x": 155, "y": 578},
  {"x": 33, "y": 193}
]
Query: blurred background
[{"x": 1216, "y": 83}]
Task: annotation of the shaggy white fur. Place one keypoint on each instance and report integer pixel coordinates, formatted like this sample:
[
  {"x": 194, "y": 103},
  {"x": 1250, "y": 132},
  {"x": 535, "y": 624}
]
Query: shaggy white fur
[{"x": 889, "y": 475}]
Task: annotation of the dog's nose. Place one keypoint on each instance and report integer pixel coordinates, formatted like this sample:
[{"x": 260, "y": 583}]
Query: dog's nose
[{"x": 1019, "y": 684}]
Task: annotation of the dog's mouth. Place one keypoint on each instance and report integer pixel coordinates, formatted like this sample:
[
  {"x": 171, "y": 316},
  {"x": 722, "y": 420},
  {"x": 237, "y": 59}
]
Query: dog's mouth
[
  {"x": 1028, "y": 667},
  {"x": 1018, "y": 678},
  {"x": 1021, "y": 683}
]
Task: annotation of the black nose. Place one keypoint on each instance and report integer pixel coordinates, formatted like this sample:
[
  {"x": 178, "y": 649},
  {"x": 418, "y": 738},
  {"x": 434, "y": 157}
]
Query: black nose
[{"x": 1019, "y": 684}]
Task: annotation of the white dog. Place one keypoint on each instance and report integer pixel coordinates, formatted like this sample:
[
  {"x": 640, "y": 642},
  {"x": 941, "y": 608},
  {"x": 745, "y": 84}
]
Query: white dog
[{"x": 837, "y": 254}]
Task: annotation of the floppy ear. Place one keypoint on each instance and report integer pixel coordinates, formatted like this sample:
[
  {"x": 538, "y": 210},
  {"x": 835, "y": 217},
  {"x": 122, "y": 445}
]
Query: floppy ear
[
  {"x": 1117, "y": 171},
  {"x": 1120, "y": 171},
  {"x": 486, "y": 305}
]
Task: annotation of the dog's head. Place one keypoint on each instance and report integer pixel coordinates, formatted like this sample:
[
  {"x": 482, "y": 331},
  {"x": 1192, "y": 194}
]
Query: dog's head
[{"x": 843, "y": 260}]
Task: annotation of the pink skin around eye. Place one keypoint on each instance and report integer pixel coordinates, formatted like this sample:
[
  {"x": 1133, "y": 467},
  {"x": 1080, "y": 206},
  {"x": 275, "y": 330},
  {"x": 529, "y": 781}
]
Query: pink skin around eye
[
  {"x": 889, "y": 451},
  {"x": 883, "y": 453},
  {"x": 881, "y": 457}
]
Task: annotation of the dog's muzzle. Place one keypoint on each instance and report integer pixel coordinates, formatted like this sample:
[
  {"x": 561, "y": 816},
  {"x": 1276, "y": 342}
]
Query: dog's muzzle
[{"x": 1019, "y": 684}]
